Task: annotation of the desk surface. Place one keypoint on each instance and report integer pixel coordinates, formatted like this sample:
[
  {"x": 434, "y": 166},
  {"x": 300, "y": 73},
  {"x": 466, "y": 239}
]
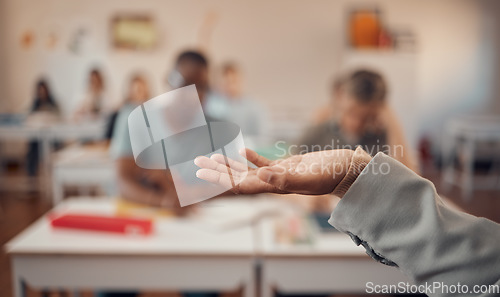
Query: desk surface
[
  {"x": 59, "y": 130},
  {"x": 172, "y": 237},
  {"x": 242, "y": 226},
  {"x": 322, "y": 244},
  {"x": 84, "y": 156}
]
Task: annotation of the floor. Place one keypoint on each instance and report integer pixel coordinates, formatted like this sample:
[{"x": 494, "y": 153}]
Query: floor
[{"x": 18, "y": 210}]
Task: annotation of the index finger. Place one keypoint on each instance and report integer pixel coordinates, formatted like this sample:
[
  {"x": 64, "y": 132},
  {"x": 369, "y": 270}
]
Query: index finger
[
  {"x": 255, "y": 158},
  {"x": 235, "y": 165}
]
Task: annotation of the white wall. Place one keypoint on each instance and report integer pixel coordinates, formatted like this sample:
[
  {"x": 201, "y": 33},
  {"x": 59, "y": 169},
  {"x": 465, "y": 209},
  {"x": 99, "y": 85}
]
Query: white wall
[
  {"x": 3, "y": 69},
  {"x": 289, "y": 49},
  {"x": 456, "y": 59}
]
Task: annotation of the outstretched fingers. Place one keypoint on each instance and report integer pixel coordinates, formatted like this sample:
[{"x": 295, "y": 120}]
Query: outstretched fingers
[
  {"x": 255, "y": 158},
  {"x": 217, "y": 173},
  {"x": 215, "y": 177},
  {"x": 235, "y": 165}
]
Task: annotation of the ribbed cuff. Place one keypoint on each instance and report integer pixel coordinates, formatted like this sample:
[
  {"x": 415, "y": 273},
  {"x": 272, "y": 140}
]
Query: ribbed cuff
[{"x": 359, "y": 160}]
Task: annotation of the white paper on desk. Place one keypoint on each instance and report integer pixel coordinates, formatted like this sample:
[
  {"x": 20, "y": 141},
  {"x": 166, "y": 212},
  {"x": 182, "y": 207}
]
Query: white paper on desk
[{"x": 230, "y": 213}]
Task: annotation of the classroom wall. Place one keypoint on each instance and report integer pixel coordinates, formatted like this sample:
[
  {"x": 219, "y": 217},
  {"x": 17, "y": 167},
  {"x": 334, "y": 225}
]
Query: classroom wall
[
  {"x": 456, "y": 60},
  {"x": 494, "y": 9},
  {"x": 2, "y": 55},
  {"x": 289, "y": 49}
]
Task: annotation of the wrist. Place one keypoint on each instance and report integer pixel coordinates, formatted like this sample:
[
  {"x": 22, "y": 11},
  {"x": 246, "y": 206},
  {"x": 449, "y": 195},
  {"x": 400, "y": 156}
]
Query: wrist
[{"x": 356, "y": 164}]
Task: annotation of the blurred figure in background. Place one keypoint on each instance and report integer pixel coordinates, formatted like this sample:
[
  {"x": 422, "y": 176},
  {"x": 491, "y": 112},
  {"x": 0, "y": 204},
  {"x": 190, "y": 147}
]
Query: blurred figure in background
[
  {"x": 43, "y": 111},
  {"x": 362, "y": 117},
  {"x": 230, "y": 103},
  {"x": 95, "y": 102},
  {"x": 146, "y": 186},
  {"x": 134, "y": 183},
  {"x": 191, "y": 67}
]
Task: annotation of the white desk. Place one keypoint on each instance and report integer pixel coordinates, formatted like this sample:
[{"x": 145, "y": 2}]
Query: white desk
[
  {"x": 47, "y": 134},
  {"x": 193, "y": 254},
  {"x": 181, "y": 255},
  {"x": 471, "y": 130},
  {"x": 10, "y": 132},
  {"x": 331, "y": 264},
  {"x": 83, "y": 166}
]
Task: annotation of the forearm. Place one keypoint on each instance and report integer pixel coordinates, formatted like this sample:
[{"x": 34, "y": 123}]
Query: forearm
[
  {"x": 400, "y": 219},
  {"x": 131, "y": 191}
]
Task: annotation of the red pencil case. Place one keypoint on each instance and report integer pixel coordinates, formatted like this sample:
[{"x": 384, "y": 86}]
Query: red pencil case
[{"x": 113, "y": 224}]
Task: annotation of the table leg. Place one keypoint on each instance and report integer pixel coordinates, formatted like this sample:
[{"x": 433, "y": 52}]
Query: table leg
[
  {"x": 249, "y": 287},
  {"x": 19, "y": 288},
  {"x": 266, "y": 289},
  {"x": 46, "y": 165},
  {"x": 447, "y": 161},
  {"x": 57, "y": 188},
  {"x": 468, "y": 173}
]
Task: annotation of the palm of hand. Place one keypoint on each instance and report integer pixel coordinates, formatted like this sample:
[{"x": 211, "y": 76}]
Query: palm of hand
[{"x": 314, "y": 173}]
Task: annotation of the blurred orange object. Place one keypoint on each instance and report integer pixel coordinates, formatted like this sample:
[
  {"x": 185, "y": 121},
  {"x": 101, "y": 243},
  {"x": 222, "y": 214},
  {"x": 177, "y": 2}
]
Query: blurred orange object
[{"x": 365, "y": 29}]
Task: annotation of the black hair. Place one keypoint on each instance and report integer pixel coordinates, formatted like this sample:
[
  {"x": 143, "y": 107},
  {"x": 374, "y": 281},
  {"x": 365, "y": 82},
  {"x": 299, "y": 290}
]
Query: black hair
[
  {"x": 37, "y": 102},
  {"x": 192, "y": 56},
  {"x": 366, "y": 86}
]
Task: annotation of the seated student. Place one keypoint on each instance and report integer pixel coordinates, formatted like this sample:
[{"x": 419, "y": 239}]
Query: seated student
[
  {"x": 153, "y": 187},
  {"x": 362, "y": 117},
  {"x": 134, "y": 183},
  {"x": 327, "y": 112},
  {"x": 392, "y": 212},
  {"x": 95, "y": 102},
  {"x": 44, "y": 109},
  {"x": 229, "y": 103}
]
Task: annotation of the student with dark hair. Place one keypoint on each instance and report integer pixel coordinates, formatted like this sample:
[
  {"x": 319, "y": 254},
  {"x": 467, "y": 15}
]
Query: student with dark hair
[
  {"x": 43, "y": 101},
  {"x": 363, "y": 118},
  {"x": 191, "y": 67},
  {"x": 146, "y": 186},
  {"x": 44, "y": 106},
  {"x": 151, "y": 186}
]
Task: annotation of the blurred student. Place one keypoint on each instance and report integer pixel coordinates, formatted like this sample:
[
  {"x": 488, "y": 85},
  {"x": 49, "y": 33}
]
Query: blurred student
[
  {"x": 134, "y": 183},
  {"x": 191, "y": 67},
  {"x": 153, "y": 187},
  {"x": 362, "y": 117},
  {"x": 43, "y": 110},
  {"x": 327, "y": 112},
  {"x": 95, "y": 102},
  {"x": 230, "y": 103}
]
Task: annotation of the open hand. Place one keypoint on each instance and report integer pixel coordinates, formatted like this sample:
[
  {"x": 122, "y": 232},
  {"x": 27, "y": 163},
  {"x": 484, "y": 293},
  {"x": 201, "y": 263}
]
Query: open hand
[{"x": 314, "y": 173}]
